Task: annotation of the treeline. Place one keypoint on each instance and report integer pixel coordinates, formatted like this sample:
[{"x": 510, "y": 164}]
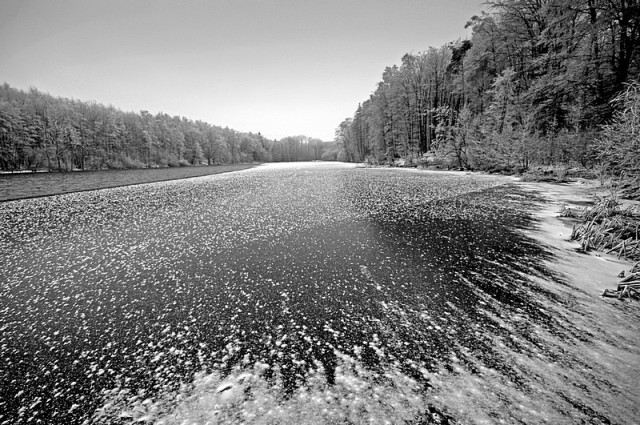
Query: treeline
[
  {"x": 39, "y": 131},
  {"x": 534, "y": 84}
]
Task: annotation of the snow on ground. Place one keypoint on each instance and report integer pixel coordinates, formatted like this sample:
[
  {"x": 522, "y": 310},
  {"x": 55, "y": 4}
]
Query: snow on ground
[{"x": 613, "y": 325}]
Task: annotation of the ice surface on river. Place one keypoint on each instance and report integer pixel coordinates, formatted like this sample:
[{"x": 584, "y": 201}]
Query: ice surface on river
[{"x": 293, "y": 291}]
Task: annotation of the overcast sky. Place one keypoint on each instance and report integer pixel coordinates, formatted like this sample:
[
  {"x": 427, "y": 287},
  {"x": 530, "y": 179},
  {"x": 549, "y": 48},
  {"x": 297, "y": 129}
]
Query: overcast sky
[{"x": 279, "y": 67}]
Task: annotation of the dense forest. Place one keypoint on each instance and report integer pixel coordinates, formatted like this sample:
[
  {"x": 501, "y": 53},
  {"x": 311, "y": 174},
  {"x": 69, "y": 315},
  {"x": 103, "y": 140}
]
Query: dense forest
[
  {"x": 40, "y": 132},
  {"x": 539, "y": 82}
]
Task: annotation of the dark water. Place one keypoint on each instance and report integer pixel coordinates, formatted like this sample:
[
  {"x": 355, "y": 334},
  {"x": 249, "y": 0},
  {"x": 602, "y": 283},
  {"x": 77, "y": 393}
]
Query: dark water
[
  {"x": 31, "y": 185},
  {"x": 135, "y": 290}
]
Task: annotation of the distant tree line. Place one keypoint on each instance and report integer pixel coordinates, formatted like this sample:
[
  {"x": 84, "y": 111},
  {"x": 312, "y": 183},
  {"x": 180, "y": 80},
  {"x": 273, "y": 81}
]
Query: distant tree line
[
  {"x": 535, "y": 84},
  {"x": 39, "y": 131}
]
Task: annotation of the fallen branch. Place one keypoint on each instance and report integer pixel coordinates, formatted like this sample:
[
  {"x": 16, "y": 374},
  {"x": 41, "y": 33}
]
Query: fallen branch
[{"x": 635, "y": 285}]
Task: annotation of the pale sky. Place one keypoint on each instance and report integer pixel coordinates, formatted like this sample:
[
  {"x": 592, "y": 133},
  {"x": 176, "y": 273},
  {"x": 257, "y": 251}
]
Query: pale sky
[{"x": 279, "y": 67}]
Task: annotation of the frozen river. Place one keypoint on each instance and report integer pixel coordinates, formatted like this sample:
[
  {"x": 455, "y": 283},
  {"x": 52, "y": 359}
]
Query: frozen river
[{"x": 309, "y": 293}]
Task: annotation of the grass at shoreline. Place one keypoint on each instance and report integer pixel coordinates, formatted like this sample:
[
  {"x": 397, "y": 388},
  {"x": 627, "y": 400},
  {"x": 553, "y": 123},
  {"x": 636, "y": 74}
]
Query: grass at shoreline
[{"x": 35, "y": 185}]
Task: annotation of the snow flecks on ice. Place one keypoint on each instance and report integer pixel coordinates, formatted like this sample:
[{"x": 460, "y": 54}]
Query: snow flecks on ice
[{"x": 276, "y": 293}]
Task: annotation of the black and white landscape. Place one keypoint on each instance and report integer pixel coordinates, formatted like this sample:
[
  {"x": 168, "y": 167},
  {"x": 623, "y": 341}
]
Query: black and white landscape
[
  {"x": 305, "y": 291},
  {"x": 319, "y": 212}
]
